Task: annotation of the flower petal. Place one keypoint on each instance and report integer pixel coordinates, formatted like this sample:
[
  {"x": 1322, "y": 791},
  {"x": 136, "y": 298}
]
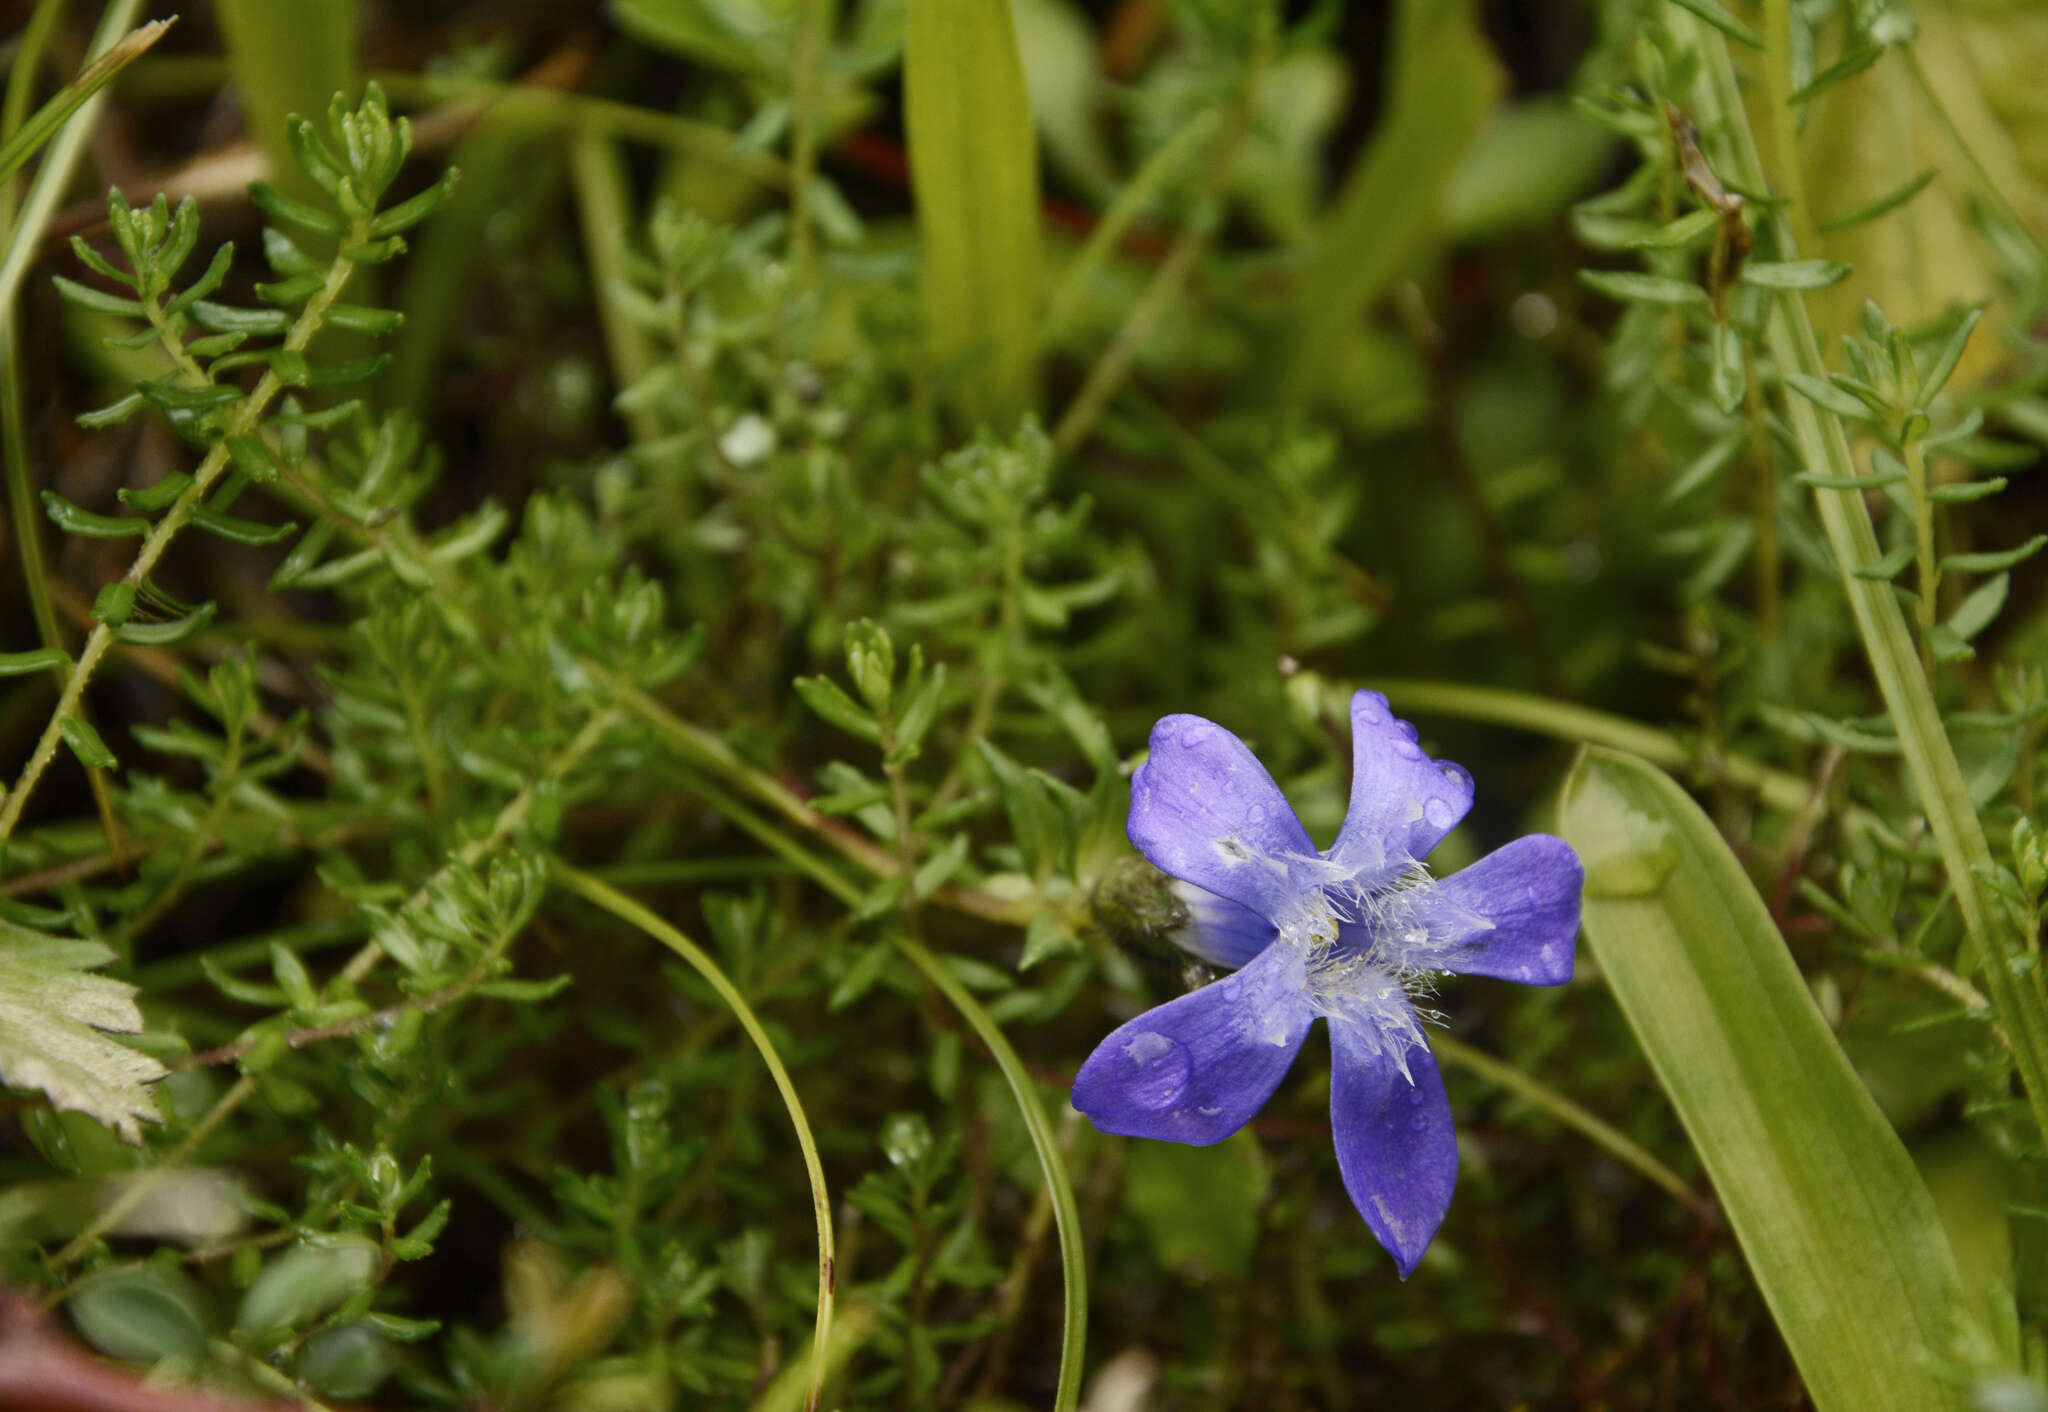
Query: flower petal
[
  {"x": 1196, "y": 1069},
  {"x": 1204, "y": 809},
  {"x": 1219, "y": 930},
  {"x": 1395, "y": 1144},
  {"x": 1529, "y": 891},
  {"x": 1402, "y": 802}
]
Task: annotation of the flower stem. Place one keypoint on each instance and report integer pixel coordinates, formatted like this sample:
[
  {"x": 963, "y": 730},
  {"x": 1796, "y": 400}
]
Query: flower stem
[
  {"x": 1540, "y": 1095},
  {"x": 627, "y": 910}
]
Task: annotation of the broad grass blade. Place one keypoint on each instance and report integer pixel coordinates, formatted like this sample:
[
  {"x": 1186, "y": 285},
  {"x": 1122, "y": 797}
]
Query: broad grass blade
[
  {"x": 288, "y": 56},
  {"x": 1837, "y": 1226},
  {"x": 974, "y": 170},
  {"x": 1444, "y": 80}
]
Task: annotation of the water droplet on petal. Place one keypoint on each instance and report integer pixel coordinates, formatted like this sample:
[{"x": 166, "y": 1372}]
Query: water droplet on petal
[
  {"x": 1158, "y": 1069},
  {"x": 1371, "y": 708},
  {"x": 1438, "y": 814},
  {"x": 1418, "y": 1123}
]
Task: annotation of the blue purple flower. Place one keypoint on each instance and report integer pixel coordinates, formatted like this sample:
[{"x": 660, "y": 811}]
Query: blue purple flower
[{"x": 1355, "y": 934}]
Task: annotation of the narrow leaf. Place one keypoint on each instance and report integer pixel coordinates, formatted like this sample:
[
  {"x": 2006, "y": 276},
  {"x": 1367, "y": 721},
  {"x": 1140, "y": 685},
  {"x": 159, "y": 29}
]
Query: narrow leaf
[
  {"x": 1794, "y": 274},
  {"x": 1642, "y": 289},
  {"x": 1994, "y": 562}
]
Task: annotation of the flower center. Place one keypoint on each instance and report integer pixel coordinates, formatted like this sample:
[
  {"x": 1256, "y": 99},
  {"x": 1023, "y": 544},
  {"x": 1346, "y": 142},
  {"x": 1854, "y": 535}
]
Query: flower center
[{"x": 1369, "y": 957}]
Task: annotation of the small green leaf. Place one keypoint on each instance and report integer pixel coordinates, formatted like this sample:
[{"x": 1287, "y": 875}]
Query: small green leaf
[
  {"x": 360, "y": 318},
  {"x": 1966, "y": 491},
  {"x": 1944, "y": 364},
  {"x": 829, "y": 700},
  {"x": 1794, "y": 274},
  {"x": 112, "y": 413},
  {"x": 1848, "y": 66},
  {"x": 280, "y": 207},
  {"x": 141, "y": 1315},
  {"x": 938, "y": 869},
  {"x": 215, "y": 274},
  {"x": 1995, "y": 561},
  {"x": 1887, "y": 567},
  {"x": 86, "y": 744},
  {"x": 860, "y": 977},
  {"x": 1642, "y": 289},
  {"x": 114, "y": 604},
  {"x": 294, "y": 289},
  {"x": 1890, "y": 201},
  {"x": 1827, "y": 395},
  {"x": 347, "y": 373},
  {"x": 41, "y": 659},
  {"x": 300, "y": 1284},
  {"x": 524, "y": 992},
  {"x": 252, "y": 458},
  {"x": 1720, "y": 18},
  {"x": 226, "y": 318},
  {"x": 1975, "y": 613},
  {"x": 167, "y": 633},
  {"x": 1687, "y": 230},
  {"x": 239, "y": 530},
  {"x": 98, "y": 301},
  {"x": 72, "y": 520},
  {"x": 154, "y": 499},
  {"x": 411, "y": 211}
]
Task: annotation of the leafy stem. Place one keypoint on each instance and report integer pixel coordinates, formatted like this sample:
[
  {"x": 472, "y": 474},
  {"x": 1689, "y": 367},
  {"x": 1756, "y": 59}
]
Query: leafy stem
[
  {"x": 243, "y": 422},
  {"x": 1901, "y": 679}
]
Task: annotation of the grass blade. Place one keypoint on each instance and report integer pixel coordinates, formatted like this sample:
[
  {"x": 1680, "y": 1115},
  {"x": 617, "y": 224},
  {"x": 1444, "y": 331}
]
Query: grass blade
[
  {"x": 974, "y": 170},
  {"x": 1444, "y": 79},
  {"x": 604, "y": 895},
  {"x": 43, "y": 124},
  {"x": 1837, "y": 1226},
  {"x": 288, "y": 56}
]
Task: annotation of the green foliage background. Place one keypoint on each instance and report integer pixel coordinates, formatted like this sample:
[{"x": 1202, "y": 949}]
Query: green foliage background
[{"x": 567, "y": 701}]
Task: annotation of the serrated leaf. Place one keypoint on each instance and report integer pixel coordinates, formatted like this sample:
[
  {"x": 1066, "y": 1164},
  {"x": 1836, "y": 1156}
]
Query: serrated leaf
[{"x": 54, "y": 1019}]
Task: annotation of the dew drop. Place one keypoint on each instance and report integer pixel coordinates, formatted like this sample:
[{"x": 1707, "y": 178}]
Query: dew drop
[
  {"x": 1158, "y": 1072},
  {"x": 1371, "y": 708},
  {"x": 1407, "y": 750},
  {"x": 1438, "y": 813},
  {"x": 1418, "y": 1123}
]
